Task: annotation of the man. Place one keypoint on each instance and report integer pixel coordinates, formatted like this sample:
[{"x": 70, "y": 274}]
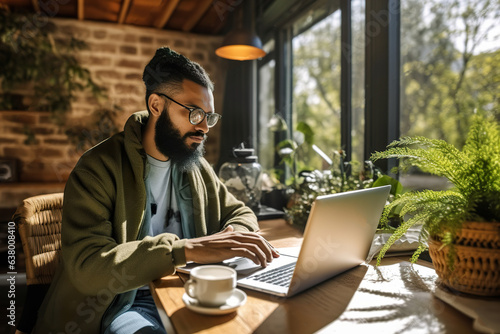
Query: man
[{"x": 142, "y": 203}]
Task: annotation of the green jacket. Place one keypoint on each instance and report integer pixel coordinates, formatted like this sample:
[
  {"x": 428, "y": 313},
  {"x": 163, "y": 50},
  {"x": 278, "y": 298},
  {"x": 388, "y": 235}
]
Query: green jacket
[{"x": 105, "y": 256}]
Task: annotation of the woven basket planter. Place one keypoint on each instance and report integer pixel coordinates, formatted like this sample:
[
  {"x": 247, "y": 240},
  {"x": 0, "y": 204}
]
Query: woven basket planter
[{"x": 476, "y": 262}]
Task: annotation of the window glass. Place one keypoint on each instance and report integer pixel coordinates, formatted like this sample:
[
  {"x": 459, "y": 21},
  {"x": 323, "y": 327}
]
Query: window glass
[
  {"x": 316, "y": 85},
  {"x": 266, "y": 140},
  {"x": 358, "y": 78},
  {"x": 450, "y": 66}
]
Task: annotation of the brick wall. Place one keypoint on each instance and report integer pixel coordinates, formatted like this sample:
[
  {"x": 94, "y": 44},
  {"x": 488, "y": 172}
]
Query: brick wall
[{"x": 116, "y": 58}]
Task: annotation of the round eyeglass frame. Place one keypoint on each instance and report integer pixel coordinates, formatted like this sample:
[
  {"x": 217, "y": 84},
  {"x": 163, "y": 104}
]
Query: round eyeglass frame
[{"x": 194, "y": 113}]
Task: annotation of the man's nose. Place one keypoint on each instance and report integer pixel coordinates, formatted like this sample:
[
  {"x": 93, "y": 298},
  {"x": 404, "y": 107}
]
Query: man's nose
[{"x": 203, "y": 126}]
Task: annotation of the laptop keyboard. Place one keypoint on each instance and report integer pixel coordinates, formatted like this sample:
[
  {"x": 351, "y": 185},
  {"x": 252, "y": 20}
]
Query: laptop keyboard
[{"x": 279, "y": 276}]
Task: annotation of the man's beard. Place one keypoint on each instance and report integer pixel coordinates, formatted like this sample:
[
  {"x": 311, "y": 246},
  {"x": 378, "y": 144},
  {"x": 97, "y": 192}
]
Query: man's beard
[{"x": 170, "y": 143}]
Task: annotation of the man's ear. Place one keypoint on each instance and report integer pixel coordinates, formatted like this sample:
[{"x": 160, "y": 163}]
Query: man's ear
[{"x": 156, "y": 105}]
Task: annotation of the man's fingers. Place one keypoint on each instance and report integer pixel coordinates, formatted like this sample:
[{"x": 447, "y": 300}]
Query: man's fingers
[
  {"x": 265, "y": 247},
  {"x": 227, "y": 243},
  {"x": 246, "y": 248}
]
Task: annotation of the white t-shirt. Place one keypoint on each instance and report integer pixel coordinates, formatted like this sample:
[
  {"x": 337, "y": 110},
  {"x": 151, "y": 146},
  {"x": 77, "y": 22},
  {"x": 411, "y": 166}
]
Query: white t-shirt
[{"x": 165, "y": 214}]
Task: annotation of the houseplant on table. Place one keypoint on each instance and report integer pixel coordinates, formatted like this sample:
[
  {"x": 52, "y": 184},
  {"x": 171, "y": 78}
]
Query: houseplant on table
[
  {"x": 305, "y": 183},
  {"x": 460, "y": 226}
]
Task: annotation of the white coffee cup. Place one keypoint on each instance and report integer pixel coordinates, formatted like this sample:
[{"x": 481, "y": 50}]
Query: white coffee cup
[{"x": 211, "y": 285}]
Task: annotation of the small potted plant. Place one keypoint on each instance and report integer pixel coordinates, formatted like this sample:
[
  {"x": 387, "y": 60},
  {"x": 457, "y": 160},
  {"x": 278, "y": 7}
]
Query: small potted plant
[
  {"x": 305, "y": 183},
  {"x": 460, "y": 226}
]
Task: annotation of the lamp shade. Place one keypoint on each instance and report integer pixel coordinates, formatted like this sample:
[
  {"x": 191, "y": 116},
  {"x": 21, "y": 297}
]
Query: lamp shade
[{"x": 241, "y": 44}]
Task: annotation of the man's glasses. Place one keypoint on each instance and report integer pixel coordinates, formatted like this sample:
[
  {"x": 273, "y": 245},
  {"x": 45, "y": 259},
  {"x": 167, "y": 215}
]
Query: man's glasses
[{"x": 197, "y": 115}]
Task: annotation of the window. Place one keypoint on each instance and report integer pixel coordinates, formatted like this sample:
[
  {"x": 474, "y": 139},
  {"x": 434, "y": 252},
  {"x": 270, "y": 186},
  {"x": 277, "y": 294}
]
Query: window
[
  {"x": 307, "y": 81},
  {"x": 316, "y": 84},
  {"x": 266, "y": 106},
  {"x": 450, "y": 65},
  {"x": 358, "y": 78}
]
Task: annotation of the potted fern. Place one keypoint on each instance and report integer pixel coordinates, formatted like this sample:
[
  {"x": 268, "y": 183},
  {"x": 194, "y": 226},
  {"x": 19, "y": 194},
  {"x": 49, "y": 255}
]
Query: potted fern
[{"x": 459, "y": 226}]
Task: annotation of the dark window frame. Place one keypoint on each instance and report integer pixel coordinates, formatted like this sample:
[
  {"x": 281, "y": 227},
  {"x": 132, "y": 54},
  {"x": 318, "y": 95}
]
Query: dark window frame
[{"x": 382, "y": 72}]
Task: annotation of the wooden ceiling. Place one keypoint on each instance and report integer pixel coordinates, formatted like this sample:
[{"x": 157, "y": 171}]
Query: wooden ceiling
[{"x": 197, "y": 16}]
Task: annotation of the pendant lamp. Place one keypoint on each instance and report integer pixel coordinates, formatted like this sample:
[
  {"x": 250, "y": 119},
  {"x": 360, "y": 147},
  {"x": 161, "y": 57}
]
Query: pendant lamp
[{"x": 241, "y": 43}]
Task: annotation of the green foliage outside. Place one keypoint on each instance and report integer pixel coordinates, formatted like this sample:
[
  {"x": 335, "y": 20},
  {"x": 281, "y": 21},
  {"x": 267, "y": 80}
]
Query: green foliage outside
[
  {"x": 446, "y": 72},
  {"x": 474, "y": 172},
  {"x": 316, "y": 82}
]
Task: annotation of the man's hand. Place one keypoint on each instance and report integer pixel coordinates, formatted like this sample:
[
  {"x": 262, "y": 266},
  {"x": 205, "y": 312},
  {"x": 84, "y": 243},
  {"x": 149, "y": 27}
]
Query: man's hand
[{"x": 227, "y": 244}]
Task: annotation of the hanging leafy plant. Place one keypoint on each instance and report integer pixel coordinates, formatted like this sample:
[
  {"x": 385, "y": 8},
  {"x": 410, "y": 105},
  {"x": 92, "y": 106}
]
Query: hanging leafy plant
[
  {"x": 30, "y": 57},
  {"x": 102, "y": 125}
]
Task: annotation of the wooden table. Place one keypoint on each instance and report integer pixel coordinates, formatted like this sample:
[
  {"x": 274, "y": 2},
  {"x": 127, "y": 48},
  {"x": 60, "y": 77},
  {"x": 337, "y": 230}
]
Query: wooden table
[{"x": 394, "y": 297}]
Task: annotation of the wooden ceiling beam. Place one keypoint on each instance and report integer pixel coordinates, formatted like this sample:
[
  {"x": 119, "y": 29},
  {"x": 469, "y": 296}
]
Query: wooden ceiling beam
[
  {"x": 123, "y": 11},
  {"x": 81, "y": 10},
  {"x": 36, "y": 5},
  {"x": 196, "y": 15},
  {"x": 166, "y": 14}
]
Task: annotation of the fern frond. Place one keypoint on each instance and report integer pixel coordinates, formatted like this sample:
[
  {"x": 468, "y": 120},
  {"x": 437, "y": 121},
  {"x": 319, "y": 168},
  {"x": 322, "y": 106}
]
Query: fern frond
[
  {"x": 398, "y": 233},
  {"x": 431, "y": 155},
  {"x": 436, "y": 211},
  {"x": 418, "y": 251},
  {"x": 483, "y": 137}
]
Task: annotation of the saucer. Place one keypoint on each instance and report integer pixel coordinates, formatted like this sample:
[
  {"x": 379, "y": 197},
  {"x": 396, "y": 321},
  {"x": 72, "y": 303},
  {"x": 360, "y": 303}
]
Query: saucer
[{"x": 236, "y": 300}]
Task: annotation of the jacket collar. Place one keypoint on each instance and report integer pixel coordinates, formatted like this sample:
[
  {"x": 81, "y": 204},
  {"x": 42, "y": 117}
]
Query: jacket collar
[{"x": 133, "y": 142}]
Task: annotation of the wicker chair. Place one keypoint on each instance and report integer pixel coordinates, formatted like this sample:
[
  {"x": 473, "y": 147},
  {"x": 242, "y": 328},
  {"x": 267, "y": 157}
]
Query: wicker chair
[{"x": 38, "y": 220}]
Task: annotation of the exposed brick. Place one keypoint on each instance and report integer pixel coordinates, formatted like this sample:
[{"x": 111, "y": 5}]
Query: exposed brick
[
  {"x": 17, "y": 130},
  {"x": 134, "y": 76},
  {"x": 56, "y": 141},
  {"x": 82, "y": 110},
  {"x": 49, "y": 153},
  {"x": 75, "y": 31},
  {"x": 130, "y": 50},
  {"x": 62, "y": 170},
  {"x": 53, "y": 156},
  {"x": 108, "y": 74},
  {"x": 130, "y": 38},
  {"x": 126, "y": 89},
  {"x": 148, "y": 51},
  {"x": 17, "y": 151},
  {"x": 137, "y": 104},
  {"x": 182, "y": 43},
  {"x": 163, "y": 41},
  {"x": 115, "y": 37},
  {"x": 198, "y": 56},
  {"x": 42, "y": 130},
  {"x": 4, "y": 140},
  {"x": 146, "y": 39},
  {"x": 45, "y": 119},
  {"x": 100, "y": 34},
  {"x": 95, "y": 61},
  {"x": 202, "y": 46},
  {"x": 130, "y": 63},
  {"x": 21, "y": 118},
  {"x": 33, "y": 163},
  {"x": 48, "y": 173},
  {"x": 103, "y": 47}
]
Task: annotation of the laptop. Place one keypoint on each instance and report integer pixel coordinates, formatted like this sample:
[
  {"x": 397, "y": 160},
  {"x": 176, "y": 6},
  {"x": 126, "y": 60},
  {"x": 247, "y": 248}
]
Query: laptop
[{"x": 337, "y": 237}]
